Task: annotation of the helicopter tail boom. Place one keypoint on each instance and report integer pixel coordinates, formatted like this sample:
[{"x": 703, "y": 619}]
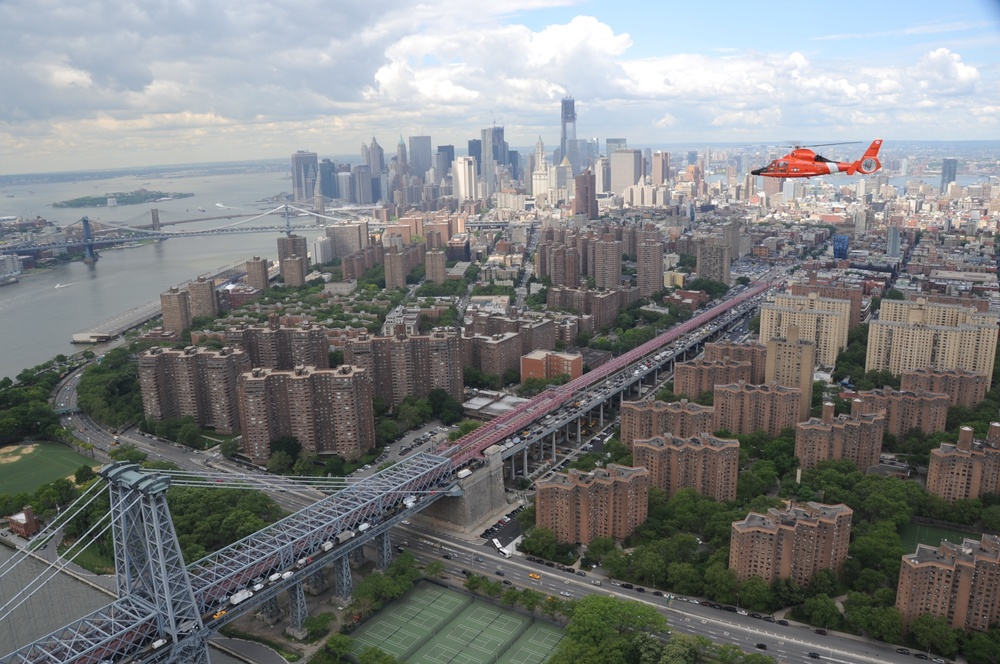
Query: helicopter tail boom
[{"x": 869, "y": 162}]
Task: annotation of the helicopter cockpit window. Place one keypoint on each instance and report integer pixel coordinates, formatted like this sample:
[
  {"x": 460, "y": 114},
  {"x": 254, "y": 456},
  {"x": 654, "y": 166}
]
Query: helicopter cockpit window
[{"x": 782, "y": 166}]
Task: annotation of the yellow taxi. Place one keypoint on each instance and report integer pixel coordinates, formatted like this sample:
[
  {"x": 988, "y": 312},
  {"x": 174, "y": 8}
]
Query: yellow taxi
[{"x": 534, "y": 576}]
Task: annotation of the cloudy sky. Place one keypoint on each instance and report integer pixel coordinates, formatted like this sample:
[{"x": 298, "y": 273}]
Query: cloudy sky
[{"x": 104, "y": 84}]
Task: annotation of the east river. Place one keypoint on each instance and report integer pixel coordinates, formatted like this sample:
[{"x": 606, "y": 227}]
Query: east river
[
  {"x": 39, "y": 315},
  {"x": 37, "y": 319}
]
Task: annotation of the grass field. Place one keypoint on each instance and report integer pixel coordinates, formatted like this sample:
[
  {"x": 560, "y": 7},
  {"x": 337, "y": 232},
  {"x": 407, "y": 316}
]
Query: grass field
[{"x": 26, "y": 467}]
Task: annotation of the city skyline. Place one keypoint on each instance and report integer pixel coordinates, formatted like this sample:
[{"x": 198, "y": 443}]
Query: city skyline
[{"x": 154, "y": 87}]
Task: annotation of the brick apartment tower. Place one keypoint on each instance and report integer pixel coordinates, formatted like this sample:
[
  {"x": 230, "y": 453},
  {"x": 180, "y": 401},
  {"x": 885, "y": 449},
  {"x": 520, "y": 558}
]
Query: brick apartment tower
[
  {"x": 740, "y": 408},
  {"x": 193, "y": 382},
  {"x": 292, "y": 245},
  {"x": 957, "y": 582},
  {"x": 791, "y": 544},
  {"x": 176, "y": 306},
  {"x": 607, "y": 262},
  {"x": 257, "y": 275},
  {"x": 204, "y": 303},
  {"x": 436, "y": 267},
  {"x": 647, "y": 419},
  {"x": 693, "y": 378},
  {"x": 823, "y": 321},
  {"x": 906, "y": 410},
  {"x": 329, "y": 411},
  {"x": 277, "y": 346},
  {"x": 790, "y": 362},
  {"x": 964, "y": 388},
  {"x": 705, "y": 463},
  {"x": 856, "y": 437},
  {"x": 967, "y": 469},
  {"x": 293, "y": 270},
  {"x": 649, "y": 273},
  {"x": 755, "y": 354},
  {"x": 578, "y": 506}
]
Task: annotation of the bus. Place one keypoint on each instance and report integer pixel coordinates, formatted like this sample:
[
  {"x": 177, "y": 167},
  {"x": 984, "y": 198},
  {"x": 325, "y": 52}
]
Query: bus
[{"x": 503, "y": 552}]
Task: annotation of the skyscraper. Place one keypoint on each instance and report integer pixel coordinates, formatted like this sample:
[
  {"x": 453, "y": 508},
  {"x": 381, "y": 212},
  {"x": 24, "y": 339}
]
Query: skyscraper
[
  {"x": 661, "y": 168},
  {"x": 202, "y": 298},
  {"x": 568, "y": 122},
  {"x": 420, "y": 156},
  {"x": 328, "y": 179},
  {"x": 626, "y": 169},
  {"x": 949, "y": 172},
  {"x": 585, "y": 198},
  {"x": 613, "y": 145},
  {"x": 892, "y": 243},
  {"x": 476, "y": 152},
  {"x": 608, "y": 262},
  {"x": 464, "y": 179},
  {"x": 714, "y": 260},
  {"x": 649, "y": 273},
  {"x": 790, "y": 362},
  {"x": 257, "y": 276},
  {"x": 293, "y": 245},
  {"x": 305, "y": 170}
]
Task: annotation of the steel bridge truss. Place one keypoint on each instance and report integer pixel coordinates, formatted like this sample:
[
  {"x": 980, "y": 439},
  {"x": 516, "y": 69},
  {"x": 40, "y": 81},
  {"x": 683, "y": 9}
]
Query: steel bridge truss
[{"x": 165, "y": 612}]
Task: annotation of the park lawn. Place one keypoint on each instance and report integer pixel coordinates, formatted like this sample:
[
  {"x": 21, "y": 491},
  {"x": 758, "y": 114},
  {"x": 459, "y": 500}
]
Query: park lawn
[{"x": 27, "y": 467}]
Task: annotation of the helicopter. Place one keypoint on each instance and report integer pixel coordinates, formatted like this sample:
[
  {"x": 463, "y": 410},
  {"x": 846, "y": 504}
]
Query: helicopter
[{"x": 804, "y": 163}]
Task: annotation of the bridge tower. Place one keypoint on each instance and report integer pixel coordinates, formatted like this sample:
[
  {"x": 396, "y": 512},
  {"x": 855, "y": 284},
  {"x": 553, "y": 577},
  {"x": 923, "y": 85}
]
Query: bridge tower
[
  {"x": 148, "y": 558},
  {"x": 155, "y": 222},
  {"x": 90, "y": 256}
]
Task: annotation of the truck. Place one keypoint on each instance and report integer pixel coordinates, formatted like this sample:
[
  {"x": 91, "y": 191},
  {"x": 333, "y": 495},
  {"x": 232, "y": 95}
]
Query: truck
[
  {"x": 303, "y": 562},
  {"x": 327, "y": 545},
  {"x": 462, "y": 474},
  {"x": 363, "y": 527},
  {"x": 241, "y": 596},
  {"x": 286, "y": 575},
  {"x": 344, "y": 536}
]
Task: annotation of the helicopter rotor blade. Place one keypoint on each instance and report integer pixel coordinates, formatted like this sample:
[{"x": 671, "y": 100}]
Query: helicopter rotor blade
[{"x": 823, "y": 145}]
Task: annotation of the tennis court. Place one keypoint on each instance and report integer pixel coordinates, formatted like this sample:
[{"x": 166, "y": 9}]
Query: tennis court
[{"x": 435, "y": 625}]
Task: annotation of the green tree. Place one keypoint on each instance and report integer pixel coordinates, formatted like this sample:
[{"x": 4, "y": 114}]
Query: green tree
[
  {"x": 540, "y": 542},
  {"x": 685, "y": 649},
  {"x": 598, "y": 547},
  {"x": 933, "y": 633},
  {"x": 434, "y": 568},
  {"x": 821, "y": 611},
  {"x": 127, "y": 452},
  {"x": 721, "y": 583},
  {"x": 614, "y": 627},
  {"x": 84, "y": 474},
  {"x": 375, "y": 655},
  {"x": 229, "y": 448},
  {"x": 755, "y": 594},
  {"x": 280, "y": 462},
  {"x": 339, "y": 645},
  {"x": 289, "y": 445}
]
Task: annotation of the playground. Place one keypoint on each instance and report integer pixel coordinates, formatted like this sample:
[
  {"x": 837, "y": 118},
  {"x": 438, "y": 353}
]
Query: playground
[{"x": 26, "y": 467}]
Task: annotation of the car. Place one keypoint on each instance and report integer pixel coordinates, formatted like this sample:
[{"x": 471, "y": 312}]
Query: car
[
  {"x": 499, "y": 573},
  {"x": 550, "y": 564},
  {"x": 581, "y": 573},
  {"x": 447, "y": 556},
  {"x": 760, "y": 646},
  {"x": 821, "y": 632},
  {"x": 756, "y": 615},
  {"x": 640, "y": 590},
  {"x": 938, "y": 660},
  {"x": 507, "y": 582},
  {"x": 657, "y": 593},
  {"x": 921, "y": 655},
  {"x": 627, "y": 586},
  {"x": 903, "y": 651},
  {"x": 616, "y": 583},
  {"x": 564, "y": 593},
  {"x": 705, "y": 602},
  {"x": 478, "y": 559},
  {"x": 534, "y": 576},
  {"x": 218, "y": 614},
  {"x": 814, "y": 655},
  {"x": 782, "y": 622},
  {"x": 770, "y": 619}
]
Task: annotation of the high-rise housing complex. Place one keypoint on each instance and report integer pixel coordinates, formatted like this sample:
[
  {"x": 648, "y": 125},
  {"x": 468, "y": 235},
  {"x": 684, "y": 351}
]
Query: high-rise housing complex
[
  {"x": 204, "y": 303},
  {"x": 703, "y": 462},
  {"x": 698, "y": 376},
  {"x": 322, "y": 250},
  {"x": 740, "y": 408},
  {"x": 927, "y": 335},
  {"x": 402, "y": 365},
  {"x": 854, "y": 295},
  {"x": 396, "y": 269},
  {"x": 305, "y": 171},
  {"x": 257, "y": 276},
  {"x": 436, "y": 263},
  {"x": 649, "y": 268},
  {"x": 714, "y": 260},
  {"x": 794, "y": 543},
  {"x": 626, "y": 169},
  {"x": 967, "y": 469},
  {"x": 293, "y": 246},
  {"x": 925, "y": 411},
  {"x": 585, "y": 198},
  {"x": 347, "y": 238},
  {"x": 754, "y": 353},
  {"x": 194, "y": 382},
  {"x": 957, "y": 582},
  {"x": 790, "y": 362},
  {"x": 856, "y": 437},
  {"x": 648, "y": 419},
  {"x": 329, "y": 411},
  {"x": 276, "y": 346},
  {"x": 547, "y": 364},
  {"x": 949, "y": 172},
  {"x": 607, "y": 262},
  {"x": 579, "y": 506},
  {"x": 963, "y": 388},
  {"x": 293, "y": 270},
  {"x": 176, "y": 306},
  {"x": 823, "y": 321}
]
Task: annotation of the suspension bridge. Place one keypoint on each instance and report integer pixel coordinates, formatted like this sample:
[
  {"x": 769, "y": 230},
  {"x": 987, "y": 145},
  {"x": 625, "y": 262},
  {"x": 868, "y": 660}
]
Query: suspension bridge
[
  {"x": 114, "y": 232},
  {"x": 166, "y": 610}
]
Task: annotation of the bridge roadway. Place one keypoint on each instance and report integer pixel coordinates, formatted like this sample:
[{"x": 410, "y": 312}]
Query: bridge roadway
[
  {"x": 524, "y": 417},
  {"x": 125, "y": 630}
]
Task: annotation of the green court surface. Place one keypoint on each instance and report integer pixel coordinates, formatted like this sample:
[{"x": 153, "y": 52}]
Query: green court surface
[
  {"x": 26, "y": 467},
  {"x": 435, "y": 625}
]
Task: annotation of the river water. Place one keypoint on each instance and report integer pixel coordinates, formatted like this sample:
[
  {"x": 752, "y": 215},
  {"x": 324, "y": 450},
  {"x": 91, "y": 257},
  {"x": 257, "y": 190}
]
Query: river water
[{"x": 37, "y": 319}]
